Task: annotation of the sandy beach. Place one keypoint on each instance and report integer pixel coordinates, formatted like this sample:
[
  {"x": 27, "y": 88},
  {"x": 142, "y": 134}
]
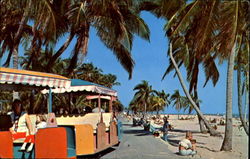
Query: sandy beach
[{"x": 208, "y": 146}]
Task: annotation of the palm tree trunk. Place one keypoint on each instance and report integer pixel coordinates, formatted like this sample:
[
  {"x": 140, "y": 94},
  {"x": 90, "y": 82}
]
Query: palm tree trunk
[
  {"x": 227, "y": 144},
  {"x": 247, "y": 96},
  {"x": 60, "y": 51},
  {"x": 201, "y": 122},
  {"x": 211, "y": 130},
  {"x": 15, "y": 57},
  {"x": 240, "y": 99},
  {"x": 84, "y": 49},
  {"x": 18, "y": 34}
]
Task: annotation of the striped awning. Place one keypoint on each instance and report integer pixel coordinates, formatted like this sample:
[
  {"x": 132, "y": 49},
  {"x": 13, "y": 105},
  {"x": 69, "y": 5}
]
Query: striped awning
[
  {"x": 10, "y": 76},
  {"x": 90, "y": 97},
  {"x": 78, "y": 85}
]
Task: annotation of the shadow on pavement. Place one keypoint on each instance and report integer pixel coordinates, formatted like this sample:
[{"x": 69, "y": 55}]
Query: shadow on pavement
[
  {"x": 181, "y": 130},
  {"x": 126, "y": 124},
  {"x": 98, "y": 155},
  {"x": 173, "y": 142},
  {"x": 137, "y": 132}
]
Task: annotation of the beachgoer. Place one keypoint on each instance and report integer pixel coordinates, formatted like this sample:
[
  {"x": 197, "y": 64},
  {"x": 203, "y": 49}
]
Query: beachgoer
[
  {"x": 165, "y": 128},
  {"x": 187, "y": 146},
  {"x": 22, "y": 127}
]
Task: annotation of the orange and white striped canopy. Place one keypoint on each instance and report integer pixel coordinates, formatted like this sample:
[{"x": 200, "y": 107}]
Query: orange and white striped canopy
[{"x": 10, "y": 76}]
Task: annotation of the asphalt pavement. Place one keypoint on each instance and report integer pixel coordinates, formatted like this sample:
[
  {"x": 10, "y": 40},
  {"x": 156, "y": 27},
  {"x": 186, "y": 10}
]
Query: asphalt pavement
[{"x": 138, "y": 144}]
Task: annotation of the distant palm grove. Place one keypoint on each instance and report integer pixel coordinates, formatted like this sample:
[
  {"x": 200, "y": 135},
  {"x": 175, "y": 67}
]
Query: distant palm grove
[{"x": 200, "y": 32}]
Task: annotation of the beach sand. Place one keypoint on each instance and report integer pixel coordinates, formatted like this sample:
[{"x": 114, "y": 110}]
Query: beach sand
[{"x": 208, "y": 146}]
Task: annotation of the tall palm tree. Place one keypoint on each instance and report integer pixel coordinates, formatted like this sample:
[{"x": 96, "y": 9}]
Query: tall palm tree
[
  {"x": 189, "y": 53},
  {"x": 242, "y": 67},
  {"x": 237, "y": 24},
  {"x": 211, "y": 130},
  {"x": 143, "y": 94},
  {"x": 115, "y": 22},
  {"x": 203, "y": 22}
]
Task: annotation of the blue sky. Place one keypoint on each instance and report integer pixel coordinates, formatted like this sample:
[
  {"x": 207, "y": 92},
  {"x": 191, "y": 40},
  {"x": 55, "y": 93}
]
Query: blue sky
[{"x": 151, "y": 62}]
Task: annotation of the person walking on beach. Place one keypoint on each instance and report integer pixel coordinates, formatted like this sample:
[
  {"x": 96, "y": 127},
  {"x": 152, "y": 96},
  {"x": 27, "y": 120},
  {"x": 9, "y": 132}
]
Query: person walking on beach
[
  {"x": 165, "y": 128},
  {"x": 187, "y": 146},
  {"x": 22, "y": 127}
]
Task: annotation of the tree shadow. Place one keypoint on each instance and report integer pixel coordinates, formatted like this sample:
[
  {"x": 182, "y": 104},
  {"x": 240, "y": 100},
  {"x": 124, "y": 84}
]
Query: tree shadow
[
  {"x": 144, "y": 134},
  {"x": 133, "y": 131},
  {"x": 208, "y": 148},
  {"x": 183, "y": 131},
  {"x": 202, "y": 136},
  {"x": 137, "y": 132}
]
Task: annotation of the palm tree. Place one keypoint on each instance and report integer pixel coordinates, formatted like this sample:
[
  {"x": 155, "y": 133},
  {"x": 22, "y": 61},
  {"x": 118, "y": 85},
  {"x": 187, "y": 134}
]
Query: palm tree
[
  {"x": 192, "y": 56},
  {"x": 117, "y": 106},
  {"x": 160, "y": 8},
  {"x": 238, "y": 11},
  {"x": 89, "y": 72},
  {"x": 179, "y": 101},
  {"x": 242, "y": 66},
  {"x": 16, "y": 28},
  {"x": 157, "y": 103},
  {"x": 135, "y": 105},
  {"x": 41, "y": 61},
  {"x": 162, "y": 100},
  {"x": 204, "y": 23},
  {"x": 163, "y": 95},
  {"x": 143, "y": 94},
  {"x": 109, "y": 80},
  {"x": 115, "y": 23},
  {"x": 211, "y": 130}
]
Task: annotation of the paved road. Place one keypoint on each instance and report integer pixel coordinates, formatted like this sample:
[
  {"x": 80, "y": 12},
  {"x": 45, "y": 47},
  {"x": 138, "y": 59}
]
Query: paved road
[{"x": 138, "y": 144}]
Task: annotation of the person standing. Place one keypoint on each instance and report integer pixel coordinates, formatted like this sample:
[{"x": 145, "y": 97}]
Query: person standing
[
  {"x": 165, "y": 128},
  {"x": 22, "y": 127}
]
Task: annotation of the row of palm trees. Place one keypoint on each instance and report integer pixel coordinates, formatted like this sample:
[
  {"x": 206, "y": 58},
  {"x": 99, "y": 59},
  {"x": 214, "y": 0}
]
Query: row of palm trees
[
  {"x": 147, "y": 99},
  {"x": 200, "y": 32}
]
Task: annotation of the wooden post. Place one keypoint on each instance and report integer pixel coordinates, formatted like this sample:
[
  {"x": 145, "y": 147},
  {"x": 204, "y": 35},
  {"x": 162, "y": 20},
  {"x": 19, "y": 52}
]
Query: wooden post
[
  {"x": 50, "y": 101},
  {"x": 110, "y": 104},
  {"x": 99, "y": 103},
  {"x": 70, "y": 99}
]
